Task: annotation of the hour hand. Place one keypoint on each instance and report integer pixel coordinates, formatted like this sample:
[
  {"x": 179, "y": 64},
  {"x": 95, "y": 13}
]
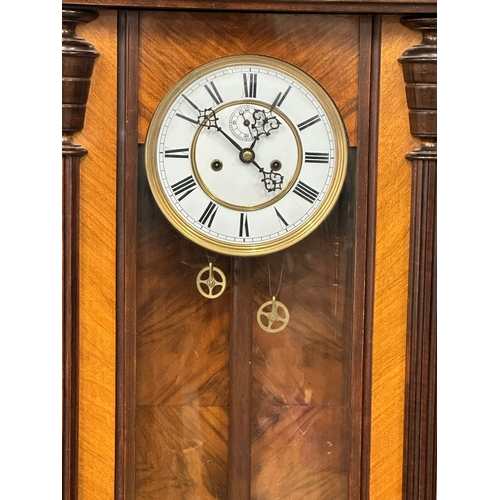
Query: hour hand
[
  {"x": 206, "y": 117},
  {"x": 264, "y": 122},
  {"x": 272, "y": 181}
]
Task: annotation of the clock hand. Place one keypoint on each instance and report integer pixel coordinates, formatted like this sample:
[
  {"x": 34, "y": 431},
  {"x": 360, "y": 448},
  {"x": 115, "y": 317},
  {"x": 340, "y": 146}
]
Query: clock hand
[
  {"x": 272, "y": 180},
  {"x": 264, "y": 122},
  {"x": 231, "y": 140},
  {"x": 273, "y": 105}
]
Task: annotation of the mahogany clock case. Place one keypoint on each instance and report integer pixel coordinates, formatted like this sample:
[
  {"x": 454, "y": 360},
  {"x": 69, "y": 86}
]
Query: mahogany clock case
[{"x": 208, "y": 404}]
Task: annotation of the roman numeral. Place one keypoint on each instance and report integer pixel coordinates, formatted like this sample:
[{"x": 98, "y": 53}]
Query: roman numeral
[
  {"x": 184, "y": 187},
  {"x": 187, "y": 118},
  {"x": 244, "y": 225},
  {"x": 208, "y": 215},
  {"x": 309, "y": 122},
  {"x": 280, "y": 217},
  {"x": 316, "y": 157},
  {"x": 250, "y": 84},
  {"x": 306, "y": 192},
  {"x": 280, "y": 98},
  {"x": 177, "y": 153},
  {"x": 214, "y": 93}
]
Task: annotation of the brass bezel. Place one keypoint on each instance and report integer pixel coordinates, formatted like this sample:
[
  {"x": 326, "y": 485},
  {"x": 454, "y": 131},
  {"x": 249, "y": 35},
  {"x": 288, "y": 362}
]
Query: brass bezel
[{"x": 242, "y": 249}]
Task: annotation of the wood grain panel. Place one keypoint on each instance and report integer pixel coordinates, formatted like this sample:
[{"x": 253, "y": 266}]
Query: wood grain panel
[
  {"x": 301, "y": 375},
  {"x": 182, "y": 364},
  {"x": 391, "y": 278},
  {"x": 240, "y": 383},
  {"x": 304, "y": 458},
  {"x": 181, "y": 453},
  {"x": 126, "y": 241},
  {"x": 324, "y": 46},
  {"x": 97, "y": 269}
]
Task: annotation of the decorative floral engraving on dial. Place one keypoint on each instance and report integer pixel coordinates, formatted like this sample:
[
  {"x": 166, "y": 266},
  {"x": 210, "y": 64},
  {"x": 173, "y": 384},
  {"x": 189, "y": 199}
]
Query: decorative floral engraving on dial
[{"x": 246, "y": 155}]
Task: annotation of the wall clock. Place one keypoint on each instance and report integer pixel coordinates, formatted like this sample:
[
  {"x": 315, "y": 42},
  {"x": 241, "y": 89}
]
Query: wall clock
[
  {"x": 246, "y": 155},
  {"x": 208, "y": 403}
]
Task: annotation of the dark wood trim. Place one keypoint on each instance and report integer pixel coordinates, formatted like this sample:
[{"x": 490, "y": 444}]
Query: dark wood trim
[
  {"x": 70, "y": 341},
  {"x": 364, "y": 272},
  {"x": 315, "y": 6},
  {"x": 126, "y": 228},
  {"x": 420, "y": 73},
  {"x": 78, "y": 58},
  {"x": 240, "y": 382}
]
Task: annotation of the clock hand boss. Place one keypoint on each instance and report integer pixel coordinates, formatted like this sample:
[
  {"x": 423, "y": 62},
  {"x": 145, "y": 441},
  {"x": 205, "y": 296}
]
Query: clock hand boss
[{"x": 272, "y": 180}]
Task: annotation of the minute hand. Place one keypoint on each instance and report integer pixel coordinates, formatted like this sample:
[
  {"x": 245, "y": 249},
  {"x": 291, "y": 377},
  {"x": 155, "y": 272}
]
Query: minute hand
[
  {"x": 241, "y": 149},
  {"x": 229, "y": 138}
]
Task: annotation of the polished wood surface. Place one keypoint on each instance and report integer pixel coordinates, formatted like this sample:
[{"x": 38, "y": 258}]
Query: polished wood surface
[
  {"x": 364, "y": 238},
  {"x": 167, "y": 55},
  {"x": 127, "y": 158},
  {"x": 71, "y": 330},
  {"x": 391, "y": 269},
  {"x": 339, "y": 6},
  {"x": 240, "y": 381}
]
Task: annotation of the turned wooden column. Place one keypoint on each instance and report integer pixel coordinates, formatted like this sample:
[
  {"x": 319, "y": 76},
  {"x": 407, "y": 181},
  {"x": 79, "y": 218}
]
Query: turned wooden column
[
  {"x": 420, "y": 74},
  {"x": 78, "y": 58}
]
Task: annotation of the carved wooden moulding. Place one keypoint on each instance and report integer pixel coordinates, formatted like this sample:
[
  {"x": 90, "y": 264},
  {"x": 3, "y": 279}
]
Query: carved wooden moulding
[
  {"x": 420, "y": 75},
  {"x": 78, "y": 57},
  {"x": 419, "y": 69}
]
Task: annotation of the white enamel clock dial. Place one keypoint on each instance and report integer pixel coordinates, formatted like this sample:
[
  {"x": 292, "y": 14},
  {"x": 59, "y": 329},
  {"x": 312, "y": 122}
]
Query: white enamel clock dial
[{"x": 246, "y": 155}]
